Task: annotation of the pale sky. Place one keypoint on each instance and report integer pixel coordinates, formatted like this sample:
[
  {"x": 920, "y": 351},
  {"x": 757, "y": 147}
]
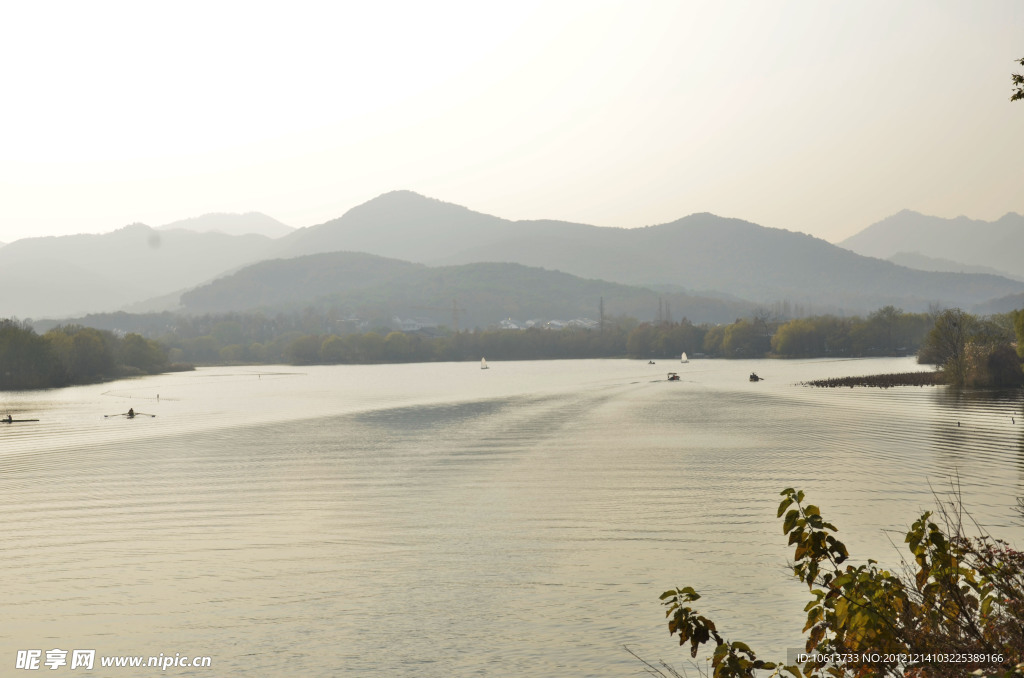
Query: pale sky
[{"x": 815, "y": 116}]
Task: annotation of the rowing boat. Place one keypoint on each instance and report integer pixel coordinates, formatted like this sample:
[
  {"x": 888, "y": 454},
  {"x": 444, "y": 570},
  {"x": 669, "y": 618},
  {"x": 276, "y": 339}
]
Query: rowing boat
[{"x": 16, "y": 421}]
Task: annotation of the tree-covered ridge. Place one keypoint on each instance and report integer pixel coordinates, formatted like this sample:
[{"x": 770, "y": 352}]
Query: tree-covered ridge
[
  {"x": 351, "y": 283},
  {"x": 72, "y": 355},
  {"x": 700, "y": 252}
]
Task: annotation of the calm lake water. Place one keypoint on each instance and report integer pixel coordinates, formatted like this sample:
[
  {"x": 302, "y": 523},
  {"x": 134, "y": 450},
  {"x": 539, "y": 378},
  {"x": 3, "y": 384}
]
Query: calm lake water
[{"x": 441, "y": 520}]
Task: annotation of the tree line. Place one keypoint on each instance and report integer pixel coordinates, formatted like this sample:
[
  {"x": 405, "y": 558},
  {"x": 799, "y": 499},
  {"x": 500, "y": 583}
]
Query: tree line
[
  {"x": 970, "y": 350},
  {"x": 308, "y": 337},
  {"x": 72, "y": 354}
]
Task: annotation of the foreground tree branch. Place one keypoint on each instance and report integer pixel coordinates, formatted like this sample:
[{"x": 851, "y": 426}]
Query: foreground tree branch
[{"x": 957, "y": 610}]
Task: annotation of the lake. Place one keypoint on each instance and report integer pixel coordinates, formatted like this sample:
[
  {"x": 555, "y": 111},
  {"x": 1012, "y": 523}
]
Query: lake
[{"x": 443, "y": 520}]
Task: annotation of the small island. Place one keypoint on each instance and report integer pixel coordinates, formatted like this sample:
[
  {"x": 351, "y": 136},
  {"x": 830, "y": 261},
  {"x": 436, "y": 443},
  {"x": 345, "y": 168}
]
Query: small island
[{"x": 882, "y": 380}]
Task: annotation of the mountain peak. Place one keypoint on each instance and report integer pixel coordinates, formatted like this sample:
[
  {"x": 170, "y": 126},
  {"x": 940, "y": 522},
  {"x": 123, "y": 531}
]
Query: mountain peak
[
  {"x": 229, "y": 223},
  {"x": 405, "y": 201},
  {"x": 965, "y": 241}
]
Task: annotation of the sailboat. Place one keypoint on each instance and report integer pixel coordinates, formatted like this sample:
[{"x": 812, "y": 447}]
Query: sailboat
[
  {"x": 684, "y": 359},
  {"x": 483, "y": 363}
]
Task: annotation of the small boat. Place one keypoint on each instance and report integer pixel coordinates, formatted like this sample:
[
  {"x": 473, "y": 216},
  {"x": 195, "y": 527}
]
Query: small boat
[
  {"x": 483, "y": 363},
  {"x": 672, "y": 376},
  {"x": 15, "y": 421},
  {"x": 754, "y": 377},
  {"x": 684, "y": 358}
]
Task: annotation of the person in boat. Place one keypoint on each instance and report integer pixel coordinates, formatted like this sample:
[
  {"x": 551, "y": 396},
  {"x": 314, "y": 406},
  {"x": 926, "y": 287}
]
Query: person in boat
[
  {"x": 9, "y": 419},
  {"x": 131, "y": 412}
]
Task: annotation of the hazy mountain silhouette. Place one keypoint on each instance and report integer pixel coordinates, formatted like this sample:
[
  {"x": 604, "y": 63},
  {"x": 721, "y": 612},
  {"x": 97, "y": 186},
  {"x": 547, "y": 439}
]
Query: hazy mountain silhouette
[
  {"x": 232, "y": 224},
  {"x": 39, "y": 286},
  {"x": 699, "y": 255},
  {"x": 700, "y": 252},
  {"x": 406, "y": 225},
  {"x": 486, "y": 293},
  {"x": 59, "y": 276},
  {"x": 1012, "y": 302},
  {"x": 994, "y": 244},
  {"x": 920, "y": 262}
]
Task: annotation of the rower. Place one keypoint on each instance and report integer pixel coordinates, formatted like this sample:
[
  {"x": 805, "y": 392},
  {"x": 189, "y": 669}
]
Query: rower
[{"x": 131, "y": 412}]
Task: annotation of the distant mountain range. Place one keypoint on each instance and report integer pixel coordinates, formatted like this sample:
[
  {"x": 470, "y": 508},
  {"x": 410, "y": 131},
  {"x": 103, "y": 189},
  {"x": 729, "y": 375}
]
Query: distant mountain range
[
  {"x": 920, "y": 262},
  {"x": 702, "y": 252},
  {"x": 77, "y": 274},
  {"x": 232, "y": 224},
  {"x": 734, "y": 263},
  {"x": 995, "y": 245}
]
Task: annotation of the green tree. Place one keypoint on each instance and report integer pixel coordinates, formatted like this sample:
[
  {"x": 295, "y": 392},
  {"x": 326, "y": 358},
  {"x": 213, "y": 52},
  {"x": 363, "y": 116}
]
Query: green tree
[
  {"x": 228, "y": 332},
  {"x": 972, "y": 351},
  {"x": 640, "y": 342},
  {"x": 1018, "y": 327},
  {"x": 91, "y": 355},
  {"x": 305, "y": 350},
  {"x": 744, "y": 339},
  {"x": 397, "y": 347},
  {"x": 141, "y": 353},
  {"x": 946, "y": 344},
  {"x": 202, "y": 349},
  {"x": 233, "y": 354},
  {"x": 961, "y": 596},
  {"x": 334, "y": 350},
  {"x": 799, "y": 337},
  {"x": 371, "y": 347},
  {"x": 885, "y": 325},
  {"x": 713, "y": 340},
  {"x": 1018, "y": 83},
  {"x": 26, "y": 359}
]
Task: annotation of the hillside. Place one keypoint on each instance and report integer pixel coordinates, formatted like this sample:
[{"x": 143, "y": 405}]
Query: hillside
[
  {"x": 485, "y": 293},
  {"x": 83, "y": 273},
  {"x": 700, "y": 256},
  {"x": 39, "y": 287},
  {"x": 920, "y": 262},
  {"x": 702, "y": 252},
  {"x": 994, "y": 244}
]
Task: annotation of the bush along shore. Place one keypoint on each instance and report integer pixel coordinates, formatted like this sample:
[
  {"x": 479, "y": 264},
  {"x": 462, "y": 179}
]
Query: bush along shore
[{"x": 882, "y": 380}]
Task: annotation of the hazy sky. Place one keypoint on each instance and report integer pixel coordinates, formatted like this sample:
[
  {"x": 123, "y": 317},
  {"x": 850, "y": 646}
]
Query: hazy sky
[{"x": 813, "y": 116}]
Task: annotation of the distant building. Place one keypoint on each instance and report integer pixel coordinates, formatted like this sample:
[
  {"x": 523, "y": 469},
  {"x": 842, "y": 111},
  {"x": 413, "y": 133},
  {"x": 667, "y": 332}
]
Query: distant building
[{"x": 412, "y": 324}]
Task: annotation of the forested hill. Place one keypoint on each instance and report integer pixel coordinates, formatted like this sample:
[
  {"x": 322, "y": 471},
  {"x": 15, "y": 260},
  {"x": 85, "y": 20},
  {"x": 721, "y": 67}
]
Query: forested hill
[
  {"x": 701, "y": 252},
  {"x": 701, "y": 255},
  {"x": 484, "y": 293}
]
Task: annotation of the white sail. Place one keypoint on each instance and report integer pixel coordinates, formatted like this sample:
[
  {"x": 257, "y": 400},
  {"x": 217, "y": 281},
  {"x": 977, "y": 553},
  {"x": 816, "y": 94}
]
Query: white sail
[
  {"x": 684, "y": 359},
  {"x": 483, "y": 363}
]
